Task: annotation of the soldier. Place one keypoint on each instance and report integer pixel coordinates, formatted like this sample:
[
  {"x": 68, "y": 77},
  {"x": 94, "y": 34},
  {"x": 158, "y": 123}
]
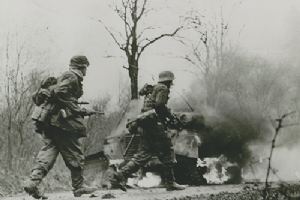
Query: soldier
[
  {"x": 154, "y": 138},
  {"x": 65, "y": 128}
]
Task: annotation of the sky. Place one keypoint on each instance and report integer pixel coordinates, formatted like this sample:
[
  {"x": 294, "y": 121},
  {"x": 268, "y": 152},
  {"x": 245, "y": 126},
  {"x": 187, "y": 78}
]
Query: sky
[{"x": 55, "y": 30}]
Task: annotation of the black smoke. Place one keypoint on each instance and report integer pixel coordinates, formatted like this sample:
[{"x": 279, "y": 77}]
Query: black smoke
[{"x": 237, "y": 105}]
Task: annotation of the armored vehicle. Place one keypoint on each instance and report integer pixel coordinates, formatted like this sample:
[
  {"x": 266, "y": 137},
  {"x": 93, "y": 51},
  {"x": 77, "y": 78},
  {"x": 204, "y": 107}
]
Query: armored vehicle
[{"x": 188, "y": 141}]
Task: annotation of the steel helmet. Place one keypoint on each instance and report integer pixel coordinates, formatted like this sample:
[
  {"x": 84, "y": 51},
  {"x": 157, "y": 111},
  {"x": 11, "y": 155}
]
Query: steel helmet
[{"x": 165, "y": 76}]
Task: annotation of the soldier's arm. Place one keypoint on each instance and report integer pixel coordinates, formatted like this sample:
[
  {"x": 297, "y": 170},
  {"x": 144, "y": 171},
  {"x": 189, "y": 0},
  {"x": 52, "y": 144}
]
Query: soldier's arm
[{"x": 62, "y": 94}]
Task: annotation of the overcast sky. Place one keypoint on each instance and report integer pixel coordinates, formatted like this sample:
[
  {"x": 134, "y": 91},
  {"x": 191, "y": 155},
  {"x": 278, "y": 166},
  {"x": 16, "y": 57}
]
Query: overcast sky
[{"x": 62, "y": 28}]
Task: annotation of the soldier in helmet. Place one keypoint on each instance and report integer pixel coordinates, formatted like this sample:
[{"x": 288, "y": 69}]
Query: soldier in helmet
[
  {"x": 154, "y": 138},
  {"x": 62, "y": 133}
]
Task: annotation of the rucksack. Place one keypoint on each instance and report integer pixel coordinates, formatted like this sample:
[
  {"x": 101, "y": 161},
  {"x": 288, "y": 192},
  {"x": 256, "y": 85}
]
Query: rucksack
[
  {"x": 43, "y": 93},
  {"x": 43, "y": 107}
]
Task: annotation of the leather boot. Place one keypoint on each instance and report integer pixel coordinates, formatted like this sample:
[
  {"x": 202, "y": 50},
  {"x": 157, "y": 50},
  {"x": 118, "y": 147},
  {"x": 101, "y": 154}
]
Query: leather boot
[
  {"x": 174, "y": 186},
  {"x": 119, "y": 179},
  {"x": 31, "y": 188},
  {"x": 170, "y": 184}
]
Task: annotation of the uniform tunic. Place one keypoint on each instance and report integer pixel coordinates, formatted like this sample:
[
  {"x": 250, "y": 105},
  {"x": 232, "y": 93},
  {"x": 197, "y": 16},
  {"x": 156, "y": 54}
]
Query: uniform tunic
[{"x": 154, "y": 138}]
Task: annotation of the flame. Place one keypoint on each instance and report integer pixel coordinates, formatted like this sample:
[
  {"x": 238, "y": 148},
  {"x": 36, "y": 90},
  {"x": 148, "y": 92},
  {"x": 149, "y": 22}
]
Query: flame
[
  {"x": 147, "y": 181},
  {"x": 216, "y": 169}
]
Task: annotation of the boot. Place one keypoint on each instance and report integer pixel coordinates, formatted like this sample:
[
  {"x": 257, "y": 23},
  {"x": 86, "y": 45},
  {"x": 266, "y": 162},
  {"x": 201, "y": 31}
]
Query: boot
[
  {"x": 119, "y": 179},
  {"x": 83, "y": 190},
  {"x": 174, "y": 186},
  {"x": 169, "y": 180},
  {"x": 31, "y": 188}
]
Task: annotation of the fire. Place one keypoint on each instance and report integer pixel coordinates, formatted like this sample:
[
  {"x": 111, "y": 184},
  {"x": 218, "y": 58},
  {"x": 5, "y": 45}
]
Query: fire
[
  {"x": 147, "y": 181},
  {"x": 216, "y": 169}
]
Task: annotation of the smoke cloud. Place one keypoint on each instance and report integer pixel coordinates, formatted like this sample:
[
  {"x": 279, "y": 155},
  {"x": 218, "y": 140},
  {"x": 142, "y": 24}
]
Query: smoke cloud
[{"x": 240, "y": 103}]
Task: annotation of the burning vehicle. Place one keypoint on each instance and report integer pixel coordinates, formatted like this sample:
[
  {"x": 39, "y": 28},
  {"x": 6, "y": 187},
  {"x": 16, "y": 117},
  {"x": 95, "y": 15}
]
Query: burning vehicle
[{"x": 204, "y": 155}]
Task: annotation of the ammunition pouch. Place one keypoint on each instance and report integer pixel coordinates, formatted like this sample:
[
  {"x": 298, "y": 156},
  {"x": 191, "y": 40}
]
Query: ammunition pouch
[
  {"x": 42, "y": 113},
  {"x": 65, "y": 113},
  {"x": 41, "y": 116}
]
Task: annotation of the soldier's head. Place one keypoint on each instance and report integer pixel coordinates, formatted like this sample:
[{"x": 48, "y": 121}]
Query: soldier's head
[
  {"x": 166, "y": 77},
  {"x": 79, "y": 62}
]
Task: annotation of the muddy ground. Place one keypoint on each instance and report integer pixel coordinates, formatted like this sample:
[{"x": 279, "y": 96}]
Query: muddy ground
[
  {"x": 209, "y": 192},
  {"x": 189, "y": 193}
]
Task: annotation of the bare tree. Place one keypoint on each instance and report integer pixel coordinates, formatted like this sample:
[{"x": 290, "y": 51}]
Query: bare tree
[
  {"x": 18, "y": 88},
  {"x": 132, "y": 40},
  {"x": 207, "y": 54},
  {"x": 278, "y": 127}
]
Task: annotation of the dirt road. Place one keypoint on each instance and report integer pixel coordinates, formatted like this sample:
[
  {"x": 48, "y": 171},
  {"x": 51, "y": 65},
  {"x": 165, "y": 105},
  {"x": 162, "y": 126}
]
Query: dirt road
[{"x": 190, "y": 193}]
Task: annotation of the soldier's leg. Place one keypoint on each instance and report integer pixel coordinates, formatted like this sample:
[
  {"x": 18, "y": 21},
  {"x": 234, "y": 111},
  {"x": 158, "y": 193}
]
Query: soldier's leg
[
  {"x": 139, "y": 159},
  {"x": 45, "y": 159},
  {"x": 70, "y": 149},
  {"x": 144, "y": 154},
  {"x": 44, "y": 162},
  {"x": 167, "y": 157}
]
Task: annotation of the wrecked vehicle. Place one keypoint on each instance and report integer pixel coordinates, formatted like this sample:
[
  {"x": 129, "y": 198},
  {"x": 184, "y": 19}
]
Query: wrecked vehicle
[{"x": 189, "y": 147}]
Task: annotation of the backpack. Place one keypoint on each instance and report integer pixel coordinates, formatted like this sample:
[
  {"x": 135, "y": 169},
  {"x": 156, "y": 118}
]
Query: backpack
[
  {"x": 43, "y": 93},
  {"x": 43, "y": 108},
  {"x": 147, "y": 91}
]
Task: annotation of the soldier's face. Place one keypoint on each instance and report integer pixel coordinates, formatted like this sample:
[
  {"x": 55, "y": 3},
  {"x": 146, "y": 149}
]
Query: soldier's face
[
  {"x": 83, "y": 70},
  {"x": 169, "y": 84}
]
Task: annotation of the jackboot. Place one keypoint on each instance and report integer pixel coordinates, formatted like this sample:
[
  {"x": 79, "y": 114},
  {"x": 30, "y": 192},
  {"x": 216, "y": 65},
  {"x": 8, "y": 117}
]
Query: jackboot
[
  {"x": 174, "y": 186},
  {"x": 119, "y": 179},
  {"x": 79, "y": 188},
  {"x": 31, "y": 188},
  {"x": 169, "y": 180}
]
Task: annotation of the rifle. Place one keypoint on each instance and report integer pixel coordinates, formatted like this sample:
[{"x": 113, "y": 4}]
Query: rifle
[
  {"x": 92, "y": 113},
  {"x": 64, "y": 114},
  {"x": 82, "y": 103},
  {"x": 98, "y": 113}
]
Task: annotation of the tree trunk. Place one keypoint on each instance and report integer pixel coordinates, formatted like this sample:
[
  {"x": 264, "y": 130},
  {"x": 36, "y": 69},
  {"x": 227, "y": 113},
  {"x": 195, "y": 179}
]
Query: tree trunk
[
  {"x": 133, "y": 74},
  {"x": 9, "y": 151}
]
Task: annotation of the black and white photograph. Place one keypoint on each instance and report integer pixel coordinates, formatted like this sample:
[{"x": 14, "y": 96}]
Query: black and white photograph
[{"x": 150, "y": 99}]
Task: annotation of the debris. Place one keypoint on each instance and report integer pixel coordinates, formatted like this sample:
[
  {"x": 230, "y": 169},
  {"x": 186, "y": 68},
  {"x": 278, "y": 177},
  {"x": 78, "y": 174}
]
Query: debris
[
  {"x": 108, "y": 196},
  {"x": 93, "y": 196}
]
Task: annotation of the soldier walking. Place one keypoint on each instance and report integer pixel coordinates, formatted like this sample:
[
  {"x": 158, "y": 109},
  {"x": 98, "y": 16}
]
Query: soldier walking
[
  {"x": 63, "y": 130},
  {"x": 154, "y": 138}
]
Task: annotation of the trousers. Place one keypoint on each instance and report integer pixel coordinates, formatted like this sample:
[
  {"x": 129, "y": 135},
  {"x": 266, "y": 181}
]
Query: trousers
[
  {"x": 154, "y": 142},
  {"x": 57, "y": 141}
]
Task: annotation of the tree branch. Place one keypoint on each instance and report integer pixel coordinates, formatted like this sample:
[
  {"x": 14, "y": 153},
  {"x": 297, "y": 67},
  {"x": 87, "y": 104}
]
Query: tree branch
[
  {"x": 143, "y": 10},
  {"x": 123, "y": 17},
  {"x": 112, "y": 35},
  {"x": 156, "y": 39},
  {"x": 143, "y": 31}
]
